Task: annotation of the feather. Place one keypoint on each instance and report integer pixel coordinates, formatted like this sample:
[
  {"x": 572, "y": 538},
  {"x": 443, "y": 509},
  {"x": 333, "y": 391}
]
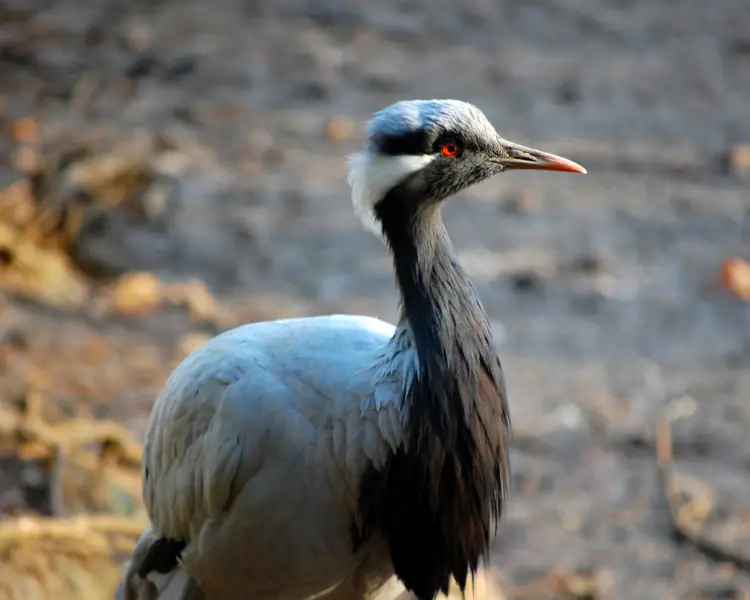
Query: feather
[{"x": 230, "y": 437}]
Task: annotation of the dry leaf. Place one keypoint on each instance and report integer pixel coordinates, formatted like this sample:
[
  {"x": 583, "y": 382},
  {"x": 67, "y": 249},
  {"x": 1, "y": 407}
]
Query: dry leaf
[
  {"x": 572, "y": 522},
  {"x": 137, "y": 294},
  {"x": 111, "y": 178},
  {"x": 340, "y": 129},
  {"x": 739, "y": 158},
  {"x": 190, "y": 342},
  {"x": 17, "y": 205},
  {"x": 735, "y": 276},
  {"x": 73, "y": 557},
  {"x": 45, "y": 275},
  {"x": 24, "y": 130},
  {"x": 198, "y": 299}
]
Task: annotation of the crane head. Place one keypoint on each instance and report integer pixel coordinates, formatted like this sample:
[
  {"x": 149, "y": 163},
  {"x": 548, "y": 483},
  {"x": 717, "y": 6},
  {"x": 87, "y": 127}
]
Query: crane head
[{"x": 435, "y": 148}]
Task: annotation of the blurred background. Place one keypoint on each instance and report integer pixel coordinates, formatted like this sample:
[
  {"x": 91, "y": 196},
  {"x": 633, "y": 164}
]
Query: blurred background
[{"x": 171, "y": 169}]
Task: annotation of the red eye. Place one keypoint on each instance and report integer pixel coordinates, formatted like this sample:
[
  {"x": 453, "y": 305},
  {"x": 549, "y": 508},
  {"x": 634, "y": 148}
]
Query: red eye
[{"x": 449, "y": 150}]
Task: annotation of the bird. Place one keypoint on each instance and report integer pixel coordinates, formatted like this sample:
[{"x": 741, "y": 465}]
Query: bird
[{"x": 341, "y": 457}]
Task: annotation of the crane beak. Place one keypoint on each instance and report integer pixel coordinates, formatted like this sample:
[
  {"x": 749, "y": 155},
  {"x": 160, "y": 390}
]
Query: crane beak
[{"x": 521, "y": 157}]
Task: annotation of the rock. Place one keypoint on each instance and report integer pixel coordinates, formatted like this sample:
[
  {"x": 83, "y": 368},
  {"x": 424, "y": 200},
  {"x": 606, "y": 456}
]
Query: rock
[
  {"x": 519, "y": 202},
  {"x": 180, "y": 68},
  {"x": 568, "y": 92},
  {"x": 739, "y": 46},
  {"x": 138, "y": 37},
  {"x": 312, "y": 90},
  {"x": 143, "y": 66},
  {"x": 526, "y": 280},
  {"x": 382, "y": 77},
  {"x": 587, "y": 264}
]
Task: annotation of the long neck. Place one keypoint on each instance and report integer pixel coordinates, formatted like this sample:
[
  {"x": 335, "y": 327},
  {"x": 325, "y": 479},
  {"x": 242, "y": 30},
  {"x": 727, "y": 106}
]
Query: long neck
[
  {"x": 439, "y": 304},
  {"x": 447, "y": 322},
  {"x": 447, "y": 483}
]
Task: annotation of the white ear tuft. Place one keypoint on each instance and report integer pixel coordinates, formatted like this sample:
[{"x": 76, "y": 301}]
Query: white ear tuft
[
  {"x": 363, "y": 197},
  {"x": 372, "y": 175}
]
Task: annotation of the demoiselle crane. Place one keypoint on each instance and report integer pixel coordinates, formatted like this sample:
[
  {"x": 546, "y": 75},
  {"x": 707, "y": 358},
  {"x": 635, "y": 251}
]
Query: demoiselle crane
[{"x": 340, "y": 457}]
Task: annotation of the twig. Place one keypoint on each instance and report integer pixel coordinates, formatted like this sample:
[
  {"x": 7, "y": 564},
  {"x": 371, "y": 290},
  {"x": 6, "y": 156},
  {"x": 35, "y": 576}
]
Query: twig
[
  {"x": 55, "y": 466},
  {"x": 89, "y": 530},
  {"x": 63, "y": 446},
  {"x": 684, "y": 529},
  {"x": 40, "y": 437}
]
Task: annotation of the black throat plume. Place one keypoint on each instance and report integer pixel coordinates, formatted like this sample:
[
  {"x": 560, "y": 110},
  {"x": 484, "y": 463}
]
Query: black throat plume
[{"x": 439, "y": 494}]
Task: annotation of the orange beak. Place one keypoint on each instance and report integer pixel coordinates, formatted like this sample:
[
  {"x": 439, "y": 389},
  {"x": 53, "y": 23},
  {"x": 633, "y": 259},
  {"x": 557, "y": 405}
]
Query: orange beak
[{"x": 521, "y": 157}]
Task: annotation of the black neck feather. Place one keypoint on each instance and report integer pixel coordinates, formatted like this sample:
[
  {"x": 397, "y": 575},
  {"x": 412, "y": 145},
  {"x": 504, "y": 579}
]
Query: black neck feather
[{"x": 438, "y": 496}]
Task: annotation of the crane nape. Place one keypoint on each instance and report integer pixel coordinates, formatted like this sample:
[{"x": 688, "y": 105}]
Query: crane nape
[{"x": 340, "y": 457}]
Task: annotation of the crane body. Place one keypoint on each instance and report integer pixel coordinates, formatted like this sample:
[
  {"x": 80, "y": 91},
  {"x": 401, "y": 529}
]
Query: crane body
[
  {"x": 284, "y": 420},
  {"x": 341, "y": 457}
]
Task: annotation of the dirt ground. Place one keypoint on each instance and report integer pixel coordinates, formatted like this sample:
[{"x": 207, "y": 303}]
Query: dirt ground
[{"x": 233, "y": 120}]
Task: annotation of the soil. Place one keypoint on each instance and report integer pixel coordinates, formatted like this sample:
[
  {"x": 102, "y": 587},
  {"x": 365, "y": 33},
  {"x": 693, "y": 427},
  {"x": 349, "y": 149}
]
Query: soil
[{"x": 603, "y": 289}]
